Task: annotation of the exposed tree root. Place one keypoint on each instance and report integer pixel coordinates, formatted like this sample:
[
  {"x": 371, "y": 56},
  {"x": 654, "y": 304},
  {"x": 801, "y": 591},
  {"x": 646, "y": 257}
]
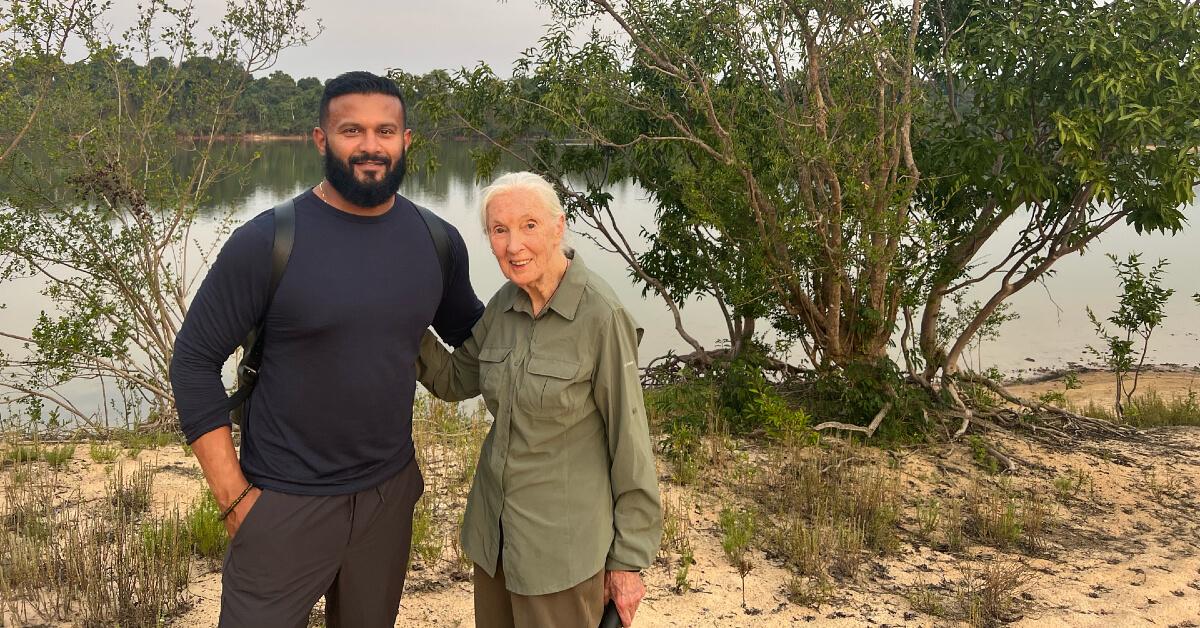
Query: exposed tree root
[
  {"x": 662, "y": 369},
  {"x": 868, "y": 430},
  {"x": 1067, "y": 421}
]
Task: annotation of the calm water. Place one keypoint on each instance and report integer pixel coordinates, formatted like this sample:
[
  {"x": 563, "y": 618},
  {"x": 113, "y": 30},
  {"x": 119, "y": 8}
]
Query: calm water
[{"x": 1053, "y": 330}]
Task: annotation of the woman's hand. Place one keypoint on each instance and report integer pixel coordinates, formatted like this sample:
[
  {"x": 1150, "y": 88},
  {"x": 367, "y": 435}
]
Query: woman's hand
[{"x": 626, "y": 590}]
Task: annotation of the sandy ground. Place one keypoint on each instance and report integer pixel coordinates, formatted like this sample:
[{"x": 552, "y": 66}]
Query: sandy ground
[
  {"x": 1100, "y": 386},
  {"x": 1124, "y": 551}
]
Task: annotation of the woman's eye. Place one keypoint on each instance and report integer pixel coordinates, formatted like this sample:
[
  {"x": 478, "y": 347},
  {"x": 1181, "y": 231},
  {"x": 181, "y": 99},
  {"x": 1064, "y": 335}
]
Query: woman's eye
[{"x": 530, "y": 225}]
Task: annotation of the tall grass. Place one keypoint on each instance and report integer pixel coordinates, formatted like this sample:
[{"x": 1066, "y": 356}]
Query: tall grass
[
  {"x": 102, "y": 563},
  {"x": 1150, "y": 409},
  {"x": 826, "y": 510},
  {"x": 448, "y": 440}
]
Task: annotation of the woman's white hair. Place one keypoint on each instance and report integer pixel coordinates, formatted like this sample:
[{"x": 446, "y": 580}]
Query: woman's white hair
[{"x": 528, "y": 181}]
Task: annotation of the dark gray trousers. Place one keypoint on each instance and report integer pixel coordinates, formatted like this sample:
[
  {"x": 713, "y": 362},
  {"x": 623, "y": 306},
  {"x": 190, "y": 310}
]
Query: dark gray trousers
[{"x": 292, "y": 549}]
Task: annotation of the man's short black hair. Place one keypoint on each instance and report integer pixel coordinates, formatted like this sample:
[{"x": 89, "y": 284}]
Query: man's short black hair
[{"x": 360, "y": 83}]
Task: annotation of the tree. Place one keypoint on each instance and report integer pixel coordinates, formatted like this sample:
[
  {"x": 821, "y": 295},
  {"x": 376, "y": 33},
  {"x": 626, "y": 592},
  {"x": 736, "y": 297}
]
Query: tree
[
  {"x": 97, "y": 207},
  {"x": 37, "y": 32},
  {"x": 1064, "y": 118},
  {"x": 774, "y": 136},
  {"x": 841, "y": 166},
  {"x": 1140, "y": 310}
]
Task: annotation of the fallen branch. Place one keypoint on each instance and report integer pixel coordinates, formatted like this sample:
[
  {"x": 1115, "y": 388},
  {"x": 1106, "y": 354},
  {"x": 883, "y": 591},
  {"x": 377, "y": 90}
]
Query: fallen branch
[
  {"x": 1038, "y": 406},
  {"x": 868, "y": 430}
]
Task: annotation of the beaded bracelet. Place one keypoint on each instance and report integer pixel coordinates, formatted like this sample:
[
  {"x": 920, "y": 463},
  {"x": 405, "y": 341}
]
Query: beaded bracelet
[{"x": 237, "y": 501}]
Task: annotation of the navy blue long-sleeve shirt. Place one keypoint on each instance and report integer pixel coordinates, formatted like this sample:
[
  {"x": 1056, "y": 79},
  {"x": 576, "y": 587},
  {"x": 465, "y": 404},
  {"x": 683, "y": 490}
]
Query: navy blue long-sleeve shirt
[{"x": 331, "y": 412}]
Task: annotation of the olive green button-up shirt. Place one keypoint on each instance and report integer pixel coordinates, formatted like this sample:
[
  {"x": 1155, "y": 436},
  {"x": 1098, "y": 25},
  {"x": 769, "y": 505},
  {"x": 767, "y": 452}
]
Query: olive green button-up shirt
[{"x": 567, "y": 468}]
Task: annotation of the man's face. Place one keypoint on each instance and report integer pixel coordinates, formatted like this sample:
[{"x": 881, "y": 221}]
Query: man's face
[{"x": 364, "y": 143}]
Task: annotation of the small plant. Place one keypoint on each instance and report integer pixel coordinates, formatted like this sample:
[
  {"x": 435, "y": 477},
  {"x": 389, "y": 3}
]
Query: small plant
[
  {"x": 1140, "y": 310},
  {"x": 23, "y": 453},
  {"x": 1069, "y": 485},
  {"x": 993, "y": 518},
  {"x": 676, "y": 526},
  {"x": 205, "y": 530},
  {"x": 1152, "y": 410},
  {"x": 808, "y": 591},
  {"x": 686, "y": 560},
  {"x": 928, "y": 516},
  {"x": 59, "y": 457},
  {"x": 737, "y": 530},
  {"x": 924, "y": 599},
  {"x": 1053, "y": 397},
  {"x": 952, "y": 531},
  {"x": 1071, "y": 381},
  {"x": 134, "y": 496},
  {"x": 427, "y": 541},
  {"x": 104, "y": 454},
  {"x": 988, "y": 596},
  {"x": 1160, "y": 486},
  {"x": 684, "y": 411},
  {"x": 981, "y": 454}
]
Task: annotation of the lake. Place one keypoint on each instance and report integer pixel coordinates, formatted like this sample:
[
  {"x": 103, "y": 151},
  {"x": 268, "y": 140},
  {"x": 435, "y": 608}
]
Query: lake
[{"x": 1052, "y": 331}]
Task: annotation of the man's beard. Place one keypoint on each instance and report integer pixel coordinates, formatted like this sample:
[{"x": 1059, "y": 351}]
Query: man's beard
[{"x": 364, "y": 194}]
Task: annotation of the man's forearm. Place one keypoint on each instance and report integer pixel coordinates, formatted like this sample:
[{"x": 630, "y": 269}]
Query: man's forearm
[{"x": 219, "y": 461}]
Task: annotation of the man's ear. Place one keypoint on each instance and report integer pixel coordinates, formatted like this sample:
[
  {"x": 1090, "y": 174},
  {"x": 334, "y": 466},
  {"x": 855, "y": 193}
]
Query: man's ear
[{"x": 318, "y": 135}]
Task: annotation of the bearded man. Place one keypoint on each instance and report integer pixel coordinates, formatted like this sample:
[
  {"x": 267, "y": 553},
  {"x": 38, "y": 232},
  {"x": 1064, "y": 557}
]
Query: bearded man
[{"x": 320, "y": 502}]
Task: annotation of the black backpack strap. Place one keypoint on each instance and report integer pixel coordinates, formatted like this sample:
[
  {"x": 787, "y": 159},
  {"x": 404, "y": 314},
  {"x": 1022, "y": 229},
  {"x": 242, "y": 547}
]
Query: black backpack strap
[
  {"x": 441, "y": 242},
  {"x": 252, "y": 347}
]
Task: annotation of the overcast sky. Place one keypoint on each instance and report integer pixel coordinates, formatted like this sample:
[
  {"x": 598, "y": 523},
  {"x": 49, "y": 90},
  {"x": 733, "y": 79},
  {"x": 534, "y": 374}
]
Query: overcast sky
[{"x": 413, "y": 35}]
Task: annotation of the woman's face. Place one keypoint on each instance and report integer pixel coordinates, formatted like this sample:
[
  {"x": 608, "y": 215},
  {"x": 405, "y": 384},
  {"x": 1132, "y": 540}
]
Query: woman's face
[{"x": 526, "y": 237}]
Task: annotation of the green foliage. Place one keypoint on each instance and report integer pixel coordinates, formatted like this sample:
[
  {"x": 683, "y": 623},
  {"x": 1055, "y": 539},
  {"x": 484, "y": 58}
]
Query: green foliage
[
  {"x": 1139, "y": 312},
  {"x": 23, "y": 453},
  {"x": 751, "y": 403},
  {"x": 427, "y": 541},
  {"x": 205, "y": 530},
  {"x": 981, "y": 455},
  {"x": 1150, "y": 409},
  {"x": 684, "y": 411},
  {"x": 1056, "y": 122},
  {"x": 131, "y": 495},
  {"x": 59, "y": 457},
  {"x": 737, "y": 532},
  {"x": 856, "y": 393},
  {"x": 104, "y": 454}
]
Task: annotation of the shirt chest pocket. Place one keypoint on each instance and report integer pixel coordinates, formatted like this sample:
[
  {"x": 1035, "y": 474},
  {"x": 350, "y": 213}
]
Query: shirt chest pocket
[
  {"x": 491, "y": 371},
  {"x": 550, "y": 388}
]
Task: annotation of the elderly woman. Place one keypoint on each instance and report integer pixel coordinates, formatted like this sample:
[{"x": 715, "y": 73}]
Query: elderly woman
[{"x": 564, "y": 510}]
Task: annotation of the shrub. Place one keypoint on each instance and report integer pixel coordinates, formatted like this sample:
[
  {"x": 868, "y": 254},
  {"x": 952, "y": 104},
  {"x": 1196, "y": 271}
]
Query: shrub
[{"x": 205, "y": 531}]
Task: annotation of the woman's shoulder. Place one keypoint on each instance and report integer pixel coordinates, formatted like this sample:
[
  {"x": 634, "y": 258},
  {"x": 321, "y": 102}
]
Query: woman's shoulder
[{"x": 599, "y": 299}]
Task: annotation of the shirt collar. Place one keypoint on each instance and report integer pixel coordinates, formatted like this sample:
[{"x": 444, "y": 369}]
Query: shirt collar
[{"x": 567, "y": 296}]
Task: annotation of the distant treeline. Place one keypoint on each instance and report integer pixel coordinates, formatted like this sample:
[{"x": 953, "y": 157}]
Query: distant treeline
[{"x": 276, "y": 104}]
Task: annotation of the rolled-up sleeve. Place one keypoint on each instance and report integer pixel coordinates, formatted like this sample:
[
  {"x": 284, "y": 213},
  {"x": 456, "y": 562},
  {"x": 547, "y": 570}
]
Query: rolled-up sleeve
[
  {"x": 637, "y": 510},
  {"x": 450, "y": 376}
]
